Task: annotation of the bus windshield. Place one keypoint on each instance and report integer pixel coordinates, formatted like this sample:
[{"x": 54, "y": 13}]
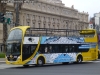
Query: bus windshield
[
  {"x": 15, "y": 34},
  {"x": 14, "y": 42}
]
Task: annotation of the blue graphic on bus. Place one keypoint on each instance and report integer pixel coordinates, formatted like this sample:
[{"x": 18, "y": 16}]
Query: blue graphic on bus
[
  {"x": 61, "y": 40},
  {"x": 63, "y": 58}
]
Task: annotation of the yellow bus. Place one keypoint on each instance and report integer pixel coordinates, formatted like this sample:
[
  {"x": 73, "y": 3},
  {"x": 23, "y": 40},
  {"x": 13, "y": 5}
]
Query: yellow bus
[{"x": 26, "y": 46}]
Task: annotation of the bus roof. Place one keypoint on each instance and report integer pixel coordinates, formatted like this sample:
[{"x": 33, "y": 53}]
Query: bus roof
[{"x": 21, "y": 27}]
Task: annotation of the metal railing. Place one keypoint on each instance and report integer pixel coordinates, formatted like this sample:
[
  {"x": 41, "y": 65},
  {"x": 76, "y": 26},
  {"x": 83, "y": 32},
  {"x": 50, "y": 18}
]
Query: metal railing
[{"x": 51, "y": 31}]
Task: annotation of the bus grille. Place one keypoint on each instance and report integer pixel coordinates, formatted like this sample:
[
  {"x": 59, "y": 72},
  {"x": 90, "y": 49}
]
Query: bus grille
[{"x": 11, "y": 59}]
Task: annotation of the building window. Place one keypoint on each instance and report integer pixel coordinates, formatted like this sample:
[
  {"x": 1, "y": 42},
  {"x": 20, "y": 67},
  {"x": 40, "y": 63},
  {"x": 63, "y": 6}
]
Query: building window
[
  {"x": 49, "y": 26},
  {"x": 54, "y": 26},
  {"x": 39, "y": 17},
  {"x": 39, "y": 25},
  {"x": 43, "y": 6},
  {"x": 33, "y": 16},
  {"x": 66, "y": 25},
  {"x": 27, "y": 16},
  {"x": 44, "y": 26},
  {"x": 28, "y": 23},
  {"x": 38, "y": 5},
  {"x": 48, "y": 18},
  {"x": 44, "y": 18},
  {"x": 76, "y": 27},
  {"x": 57, "y": 20},
  {"x": 53, "y": 19},
  {"x": 33, "y": 25},
  {"x": 58, "y": 26},
  {"x": 66, "y": 12},
  {"x": 81, "y": 27}
]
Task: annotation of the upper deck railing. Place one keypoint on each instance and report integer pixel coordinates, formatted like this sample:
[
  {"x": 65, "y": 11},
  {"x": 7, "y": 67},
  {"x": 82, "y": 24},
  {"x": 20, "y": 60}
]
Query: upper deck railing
[{"x": 50, "y": 31}]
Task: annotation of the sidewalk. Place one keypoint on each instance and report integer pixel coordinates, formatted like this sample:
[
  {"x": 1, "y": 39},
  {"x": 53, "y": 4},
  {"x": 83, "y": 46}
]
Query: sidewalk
[{"x": 2, "y": 59}]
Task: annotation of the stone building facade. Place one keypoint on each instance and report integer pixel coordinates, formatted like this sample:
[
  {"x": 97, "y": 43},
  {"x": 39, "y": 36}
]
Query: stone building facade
[{"x": 50, "y": 14}]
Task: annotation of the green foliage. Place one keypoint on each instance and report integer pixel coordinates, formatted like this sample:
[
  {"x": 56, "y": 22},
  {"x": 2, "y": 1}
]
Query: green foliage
[{"x": 2, "y": 55}]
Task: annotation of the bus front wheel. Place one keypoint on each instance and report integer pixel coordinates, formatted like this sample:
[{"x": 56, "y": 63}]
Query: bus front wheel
[{"x": 40, "y": 61}]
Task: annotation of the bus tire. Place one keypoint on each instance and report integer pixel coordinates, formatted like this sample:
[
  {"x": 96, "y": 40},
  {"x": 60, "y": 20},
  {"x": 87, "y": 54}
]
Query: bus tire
[
  {"x": 79, "y": 59},
  {"x": 40, "y": 61}
]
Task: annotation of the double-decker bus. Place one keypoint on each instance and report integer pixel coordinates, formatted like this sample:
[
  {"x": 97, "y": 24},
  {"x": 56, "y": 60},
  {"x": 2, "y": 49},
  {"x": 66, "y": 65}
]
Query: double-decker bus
[{"x": 26, "y": 46}]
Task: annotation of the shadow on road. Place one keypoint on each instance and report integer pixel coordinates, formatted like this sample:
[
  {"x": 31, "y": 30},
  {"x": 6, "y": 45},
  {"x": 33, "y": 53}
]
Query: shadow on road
[{"x": 50, "y": 65}]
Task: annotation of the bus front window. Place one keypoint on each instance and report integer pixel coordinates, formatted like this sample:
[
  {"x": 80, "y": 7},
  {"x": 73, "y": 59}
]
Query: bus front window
[
  {"x": 13, "y": 48},
  {"x": 13, "y": 43}
]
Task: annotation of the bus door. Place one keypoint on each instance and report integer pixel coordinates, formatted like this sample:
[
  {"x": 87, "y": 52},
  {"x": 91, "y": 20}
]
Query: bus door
[{"x": 93, "y": 53}]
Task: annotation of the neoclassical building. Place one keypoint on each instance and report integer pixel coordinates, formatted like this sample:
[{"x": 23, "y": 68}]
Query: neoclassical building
[{"x": 49, "y": 14}]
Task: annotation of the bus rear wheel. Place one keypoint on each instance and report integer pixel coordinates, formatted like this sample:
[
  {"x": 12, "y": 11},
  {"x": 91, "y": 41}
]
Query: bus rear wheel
[
  {"x": 79, "y": 59},
  {"x": 40, "y": 61}
]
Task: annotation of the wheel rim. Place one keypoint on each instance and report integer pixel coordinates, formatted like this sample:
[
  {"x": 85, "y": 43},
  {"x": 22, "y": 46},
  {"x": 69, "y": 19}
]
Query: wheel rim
[
  {"x": 40, "y": 62},
  {"x": 79, "y": 60}
]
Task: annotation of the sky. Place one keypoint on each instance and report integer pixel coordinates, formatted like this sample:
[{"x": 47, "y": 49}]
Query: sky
[{"x": 90, "y": 6}]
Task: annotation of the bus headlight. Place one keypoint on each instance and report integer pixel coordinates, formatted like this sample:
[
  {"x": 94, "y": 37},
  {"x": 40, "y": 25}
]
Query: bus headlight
[{"x": 18, "y": 58}]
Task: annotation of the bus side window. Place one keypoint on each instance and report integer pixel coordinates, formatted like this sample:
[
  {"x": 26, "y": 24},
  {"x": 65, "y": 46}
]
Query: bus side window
[
  {"x": 41, "y": 49},
  {"x": 53, "y": 49},
  {"x": 46, "y": 49},
  {"x": 50, "y": 49},
  {"x": 66, "y": 49},
  {"x": 56, "y": 49},
  {"x": 61, "y": 47},
  {"x": 71, "y": 48},
  {"x": 32, "y": 49}
]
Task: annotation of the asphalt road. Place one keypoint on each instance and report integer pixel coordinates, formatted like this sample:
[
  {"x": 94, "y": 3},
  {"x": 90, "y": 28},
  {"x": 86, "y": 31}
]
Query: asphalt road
[{"x": 86, "y": 68}]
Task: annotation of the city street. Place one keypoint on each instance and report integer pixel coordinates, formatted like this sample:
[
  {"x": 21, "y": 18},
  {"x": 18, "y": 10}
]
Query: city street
[{"x": 86, "y": 68}]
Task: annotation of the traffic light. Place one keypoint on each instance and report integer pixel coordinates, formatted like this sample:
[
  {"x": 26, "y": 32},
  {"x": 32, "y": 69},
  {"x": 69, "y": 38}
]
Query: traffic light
[
  {"x": 2, "y": 19},
  {"x": 8, "y": 20}
]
